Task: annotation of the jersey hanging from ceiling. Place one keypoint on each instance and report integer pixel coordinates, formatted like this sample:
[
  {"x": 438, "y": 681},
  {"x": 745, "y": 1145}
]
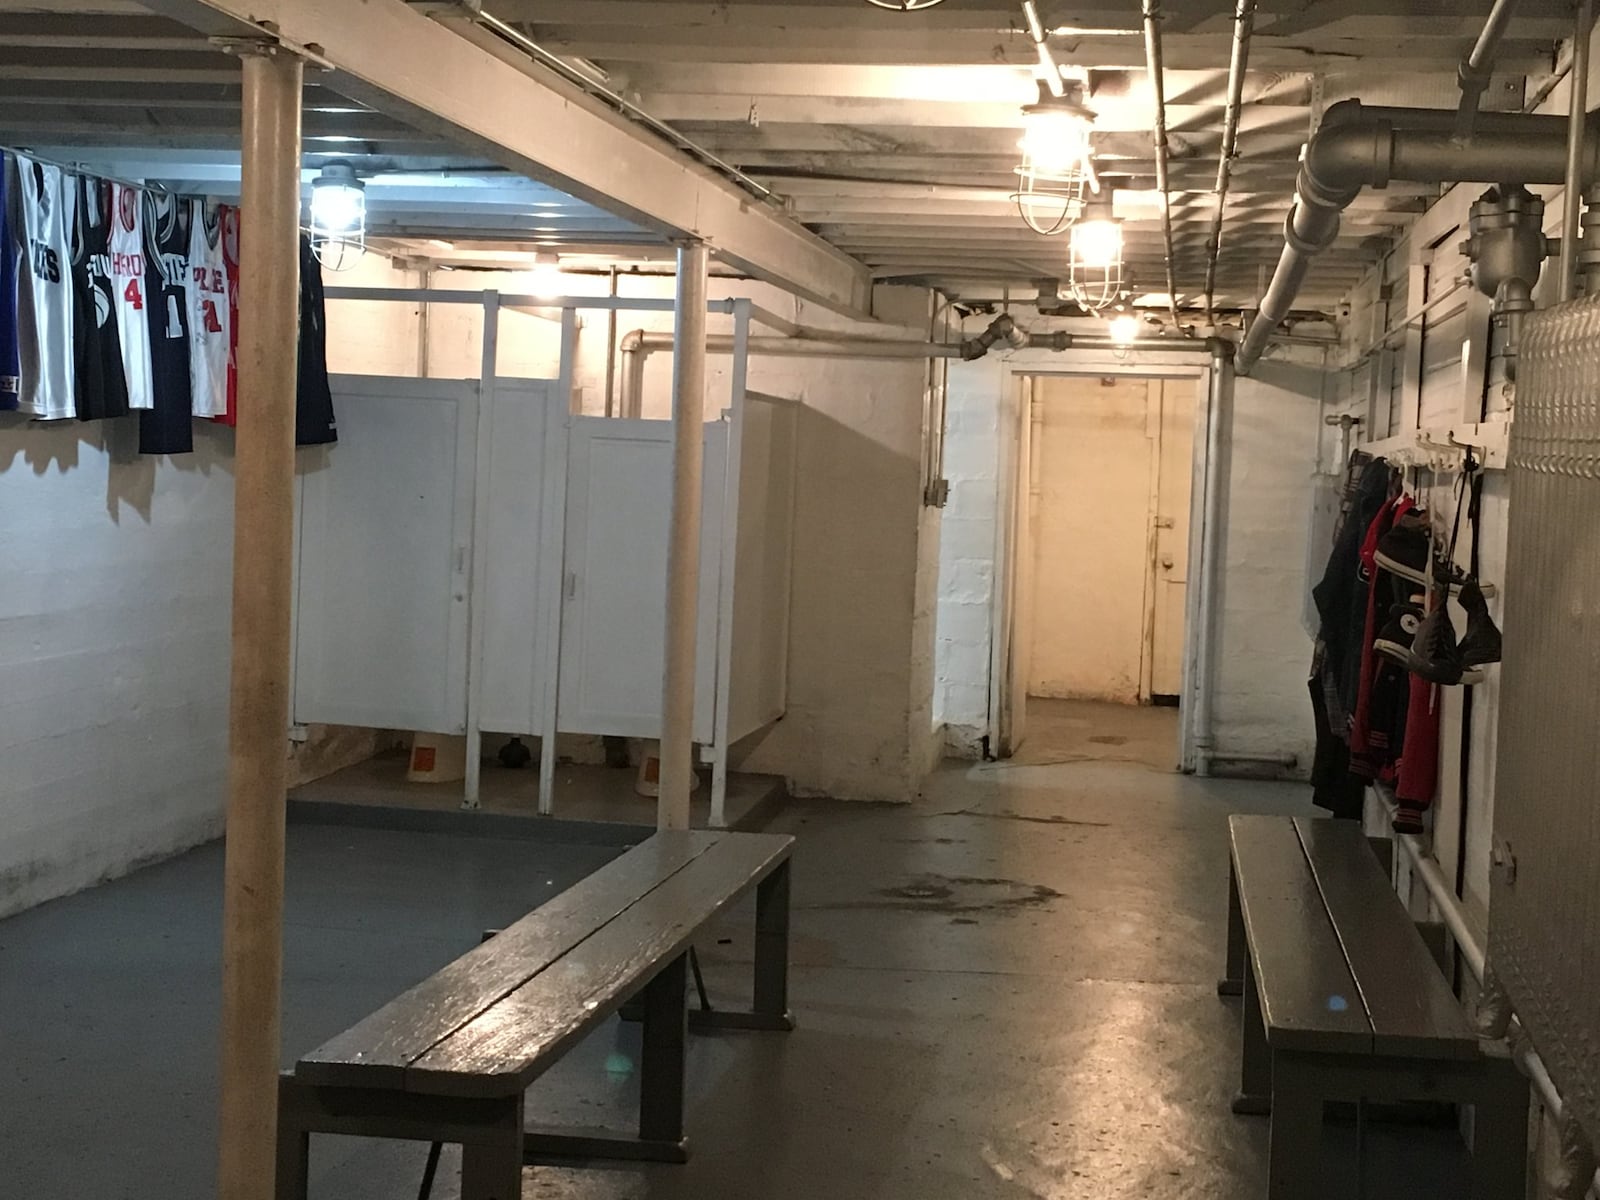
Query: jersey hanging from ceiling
[
  {"x": 100, "y": 388},
  {"x": 127, "y": 293},
  {"x": 167, "y": 428},
  {"x": 9, "y": 368},
  {"x": 210, "y": 314},
  {"x": 42, "y": 208}
]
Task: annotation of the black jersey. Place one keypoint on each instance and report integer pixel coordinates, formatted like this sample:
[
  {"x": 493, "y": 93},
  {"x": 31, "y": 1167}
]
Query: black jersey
[
  {"x": 167, "y": 428},
  {"x": 99, "y": 385},
  {"x": 313, "y": 408}
]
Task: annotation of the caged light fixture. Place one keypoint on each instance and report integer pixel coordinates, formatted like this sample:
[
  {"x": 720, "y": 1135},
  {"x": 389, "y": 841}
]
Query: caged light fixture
[
  {"x": 338, "y": 226},
  {"x": 1095, "y": 256},
  {"x": 1057, "y": 160},
  {"x": 904, "y": 5}
]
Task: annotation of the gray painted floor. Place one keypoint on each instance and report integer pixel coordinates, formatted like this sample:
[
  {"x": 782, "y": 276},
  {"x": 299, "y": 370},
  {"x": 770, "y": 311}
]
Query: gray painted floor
[{"x": 1005, "y": 991}]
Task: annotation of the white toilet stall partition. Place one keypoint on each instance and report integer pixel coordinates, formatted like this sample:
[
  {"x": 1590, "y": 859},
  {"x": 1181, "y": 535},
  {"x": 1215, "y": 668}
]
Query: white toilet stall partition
[{"x": 472, "y": 556}]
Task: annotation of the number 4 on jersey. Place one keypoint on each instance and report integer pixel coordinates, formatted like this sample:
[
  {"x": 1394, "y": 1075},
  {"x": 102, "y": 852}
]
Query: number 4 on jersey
[{"x": 132, "y": 295}]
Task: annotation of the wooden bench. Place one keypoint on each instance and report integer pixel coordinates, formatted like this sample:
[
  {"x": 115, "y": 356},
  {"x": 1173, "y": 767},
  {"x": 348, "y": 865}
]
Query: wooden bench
[
  {"x": 450, "y": 1059},
  {"x": 1343, "y": 1001}
]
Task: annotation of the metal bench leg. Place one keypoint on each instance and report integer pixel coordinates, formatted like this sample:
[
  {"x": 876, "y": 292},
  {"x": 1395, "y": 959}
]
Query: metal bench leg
[
  {"x": 1255, "y": 1066},
  {"x": 666, "y": 1035},
  {"x": 1500, "y": 1134},
  {"x": 1232, "y": 981},
  {"x": 772, "y": 948},
  {"x": 294, "y": 1144},
  {"x": 1295, "y": 1143},
  {"x": 491, "y": 1168}
]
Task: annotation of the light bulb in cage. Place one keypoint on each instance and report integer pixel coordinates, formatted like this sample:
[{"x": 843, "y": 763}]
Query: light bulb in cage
[
  {"x": 1125, "y": 328},
  {"x": 547, "y": 281},
  {"x": 1057, "y": 160},
  {"x": 1095, "y": 257},
  {"x": 338, "y": 227},
  {"x": 904, "y": 5}
]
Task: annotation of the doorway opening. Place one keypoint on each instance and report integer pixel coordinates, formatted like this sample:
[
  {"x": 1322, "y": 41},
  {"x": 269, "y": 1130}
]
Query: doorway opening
[{"x": 1101, "y": 549}]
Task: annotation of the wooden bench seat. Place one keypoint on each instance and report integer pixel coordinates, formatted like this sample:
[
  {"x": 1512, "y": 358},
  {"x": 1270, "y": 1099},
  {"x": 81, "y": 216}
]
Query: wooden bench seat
[
  {"x": 1344, "y": 1001},
  {"x": 449, "y": 1060}
]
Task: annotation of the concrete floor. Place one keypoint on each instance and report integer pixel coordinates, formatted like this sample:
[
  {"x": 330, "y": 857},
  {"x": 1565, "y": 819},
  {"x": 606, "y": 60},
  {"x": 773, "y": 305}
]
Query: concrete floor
[
  {"x": 1004, "y": 991},
  {"x": 1059, "y": 732}
]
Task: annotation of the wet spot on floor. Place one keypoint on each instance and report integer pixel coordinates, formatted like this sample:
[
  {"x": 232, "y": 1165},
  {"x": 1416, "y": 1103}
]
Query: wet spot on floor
[
  {"x": 1109, "y": 739},
  {"x": 1007, "y": 815},
  {"x": 961, "y": 894}
]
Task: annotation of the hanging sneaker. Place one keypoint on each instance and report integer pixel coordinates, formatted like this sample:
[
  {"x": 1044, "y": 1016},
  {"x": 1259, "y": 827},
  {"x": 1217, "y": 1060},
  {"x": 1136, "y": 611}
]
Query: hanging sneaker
[
  {"x": 1399, "y": 632},
  {"x": 1481, "y": 643},
  {"x": 1403, "y": 551},
  {"x": 1435, "y": 656}
]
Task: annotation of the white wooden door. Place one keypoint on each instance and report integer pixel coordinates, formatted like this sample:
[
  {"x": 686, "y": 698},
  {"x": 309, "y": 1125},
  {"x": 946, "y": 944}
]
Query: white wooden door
[
  {"x": 384, "y": 549},
  {"x": 1175, "y": 399},
  {"x": 613, "y": 628},
  {"x": 522, "y": 450}
]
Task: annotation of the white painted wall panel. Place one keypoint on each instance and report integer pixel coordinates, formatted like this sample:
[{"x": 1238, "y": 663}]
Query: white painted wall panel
[
  {"x": 114, "y": 625},
  {"x": 1264, "y": 655},
  {"x": 763, "y": 575}
]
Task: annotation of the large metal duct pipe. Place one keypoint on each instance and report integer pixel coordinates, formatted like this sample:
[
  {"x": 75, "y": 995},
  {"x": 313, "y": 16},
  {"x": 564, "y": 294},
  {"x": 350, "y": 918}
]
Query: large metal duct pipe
[{"x": 1360, "y": 147}]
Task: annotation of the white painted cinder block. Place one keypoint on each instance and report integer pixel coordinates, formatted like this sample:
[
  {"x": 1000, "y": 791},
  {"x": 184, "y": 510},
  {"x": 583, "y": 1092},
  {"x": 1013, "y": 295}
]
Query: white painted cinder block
[{"x": 114, "y": 626}]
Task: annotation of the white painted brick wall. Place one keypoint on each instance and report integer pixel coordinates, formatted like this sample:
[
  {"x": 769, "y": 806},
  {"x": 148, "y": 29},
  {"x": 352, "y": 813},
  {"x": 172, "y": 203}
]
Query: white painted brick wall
[
  {"x": 114, "y": 626},
  {"x": 967, "y": 554}
]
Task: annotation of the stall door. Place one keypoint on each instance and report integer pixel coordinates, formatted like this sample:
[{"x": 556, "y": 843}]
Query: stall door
[
  {"x": 385, "y": 543},
  {"x": 613, "y": 628}
]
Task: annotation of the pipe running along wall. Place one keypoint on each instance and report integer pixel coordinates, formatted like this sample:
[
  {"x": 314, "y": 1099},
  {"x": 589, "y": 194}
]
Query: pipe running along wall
[
  {"x": 636, "y": 348},
  {"x": 1358, "y": 146}
]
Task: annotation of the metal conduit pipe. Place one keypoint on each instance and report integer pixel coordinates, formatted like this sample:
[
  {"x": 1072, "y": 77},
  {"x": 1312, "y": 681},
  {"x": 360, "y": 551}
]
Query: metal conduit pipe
[
  {"x": 1244, "y": 19},
  {"x": 1158, "y": 88},
  {"x": 1359, "y": 146},
  {"x": 1214, "y": 499},
  {"x": 1478, "y": 66}
]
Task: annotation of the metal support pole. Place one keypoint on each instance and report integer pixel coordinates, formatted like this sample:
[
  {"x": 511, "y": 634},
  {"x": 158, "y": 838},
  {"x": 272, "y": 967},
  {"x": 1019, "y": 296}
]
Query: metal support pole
[
  {"x": 1214, "y": 546},
  {"x": 263, "y": 577},
  {"x": 1577, "y": 124},
  {"x": 683, "y": 551}
]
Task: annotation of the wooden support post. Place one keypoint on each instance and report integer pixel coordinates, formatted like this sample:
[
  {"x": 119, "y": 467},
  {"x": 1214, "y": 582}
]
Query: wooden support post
[
  {"x": 263, "y": 576},
  {"x": 683, "y": 551}
]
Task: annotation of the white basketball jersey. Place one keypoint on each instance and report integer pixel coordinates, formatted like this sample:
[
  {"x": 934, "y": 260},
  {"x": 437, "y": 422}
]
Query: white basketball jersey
[
  {"x": 210, "y": 322},
  {"x": 44, "y": 291},
  {"x": 127, "y": 280}
]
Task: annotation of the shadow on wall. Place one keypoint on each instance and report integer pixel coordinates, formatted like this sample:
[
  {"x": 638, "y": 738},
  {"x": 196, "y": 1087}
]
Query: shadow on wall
[
  {"x": 58, "y": 447},
  {"x": 857, "y": 510}
]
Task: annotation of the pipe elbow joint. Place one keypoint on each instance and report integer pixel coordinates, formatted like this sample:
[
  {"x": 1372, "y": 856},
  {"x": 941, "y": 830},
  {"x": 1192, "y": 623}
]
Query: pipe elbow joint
[{"x": 1340, "y": 160}]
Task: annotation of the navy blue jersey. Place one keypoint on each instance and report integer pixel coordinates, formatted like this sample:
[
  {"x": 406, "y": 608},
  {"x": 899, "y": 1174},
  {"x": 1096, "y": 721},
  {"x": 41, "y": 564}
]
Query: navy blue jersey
[{"x": 10, "y": 247}]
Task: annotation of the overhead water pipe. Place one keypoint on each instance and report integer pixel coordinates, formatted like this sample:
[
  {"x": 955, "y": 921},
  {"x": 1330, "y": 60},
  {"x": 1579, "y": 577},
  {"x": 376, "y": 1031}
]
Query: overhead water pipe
[
  {"x": 1358, "y": 146},
  {"x": 1577, "y": 131},
  {"x": 1478, "y": 66},
  {"x": 1152, "y": 54},
  {"x": 1244, "y": 19},
  {"x": 637, "y": 346}
]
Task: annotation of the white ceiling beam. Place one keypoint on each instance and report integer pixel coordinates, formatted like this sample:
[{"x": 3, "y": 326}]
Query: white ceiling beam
[{"x": 395, "y": 60}]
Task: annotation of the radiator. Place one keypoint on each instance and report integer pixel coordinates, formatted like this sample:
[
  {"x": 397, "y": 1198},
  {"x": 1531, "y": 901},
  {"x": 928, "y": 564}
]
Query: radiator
[{"x": 1544, "y": 922}]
